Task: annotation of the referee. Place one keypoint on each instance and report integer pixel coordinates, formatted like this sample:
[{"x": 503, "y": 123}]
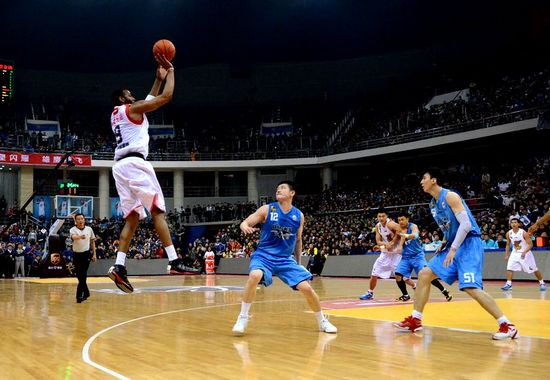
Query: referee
[{"x": 83, "y": 238}]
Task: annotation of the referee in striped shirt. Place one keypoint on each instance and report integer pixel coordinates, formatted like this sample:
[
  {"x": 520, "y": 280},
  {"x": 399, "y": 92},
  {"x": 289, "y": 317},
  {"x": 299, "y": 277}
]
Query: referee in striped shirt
[{"x": 83, "y": 238}]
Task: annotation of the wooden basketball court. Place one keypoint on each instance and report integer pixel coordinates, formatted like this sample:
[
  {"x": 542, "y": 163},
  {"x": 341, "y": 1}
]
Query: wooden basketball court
[{"x": 179, "y": 327}]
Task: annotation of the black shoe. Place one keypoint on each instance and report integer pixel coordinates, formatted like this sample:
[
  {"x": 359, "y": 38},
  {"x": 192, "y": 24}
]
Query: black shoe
[
  {"x": 178, "y": 267},
  {"x": 117, "y": 273},
  {"x": 447, "y": 295},
  {"x": 79, "y": 300},
  {"x": 404, "y": 298}
]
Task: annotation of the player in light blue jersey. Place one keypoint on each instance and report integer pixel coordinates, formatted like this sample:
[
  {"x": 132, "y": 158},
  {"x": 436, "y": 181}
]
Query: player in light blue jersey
[
  {"x": 412, "y": 257},
  {"x": 460, "y": 259},
  {"x": 278, "y": 253}
]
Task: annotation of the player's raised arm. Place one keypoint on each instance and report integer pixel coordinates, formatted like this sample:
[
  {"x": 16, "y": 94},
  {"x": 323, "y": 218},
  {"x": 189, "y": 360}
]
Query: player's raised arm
[
  {"x": 247, "y": 226},
  {"x": 148, "y": 105}
]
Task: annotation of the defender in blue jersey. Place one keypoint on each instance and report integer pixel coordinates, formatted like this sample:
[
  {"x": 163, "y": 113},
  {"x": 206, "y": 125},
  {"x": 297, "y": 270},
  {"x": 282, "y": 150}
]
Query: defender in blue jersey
[
  {"x": 278, "y": 253},
  {"x": 412, "y": 257},
  {"x": 460, "y": 258}
]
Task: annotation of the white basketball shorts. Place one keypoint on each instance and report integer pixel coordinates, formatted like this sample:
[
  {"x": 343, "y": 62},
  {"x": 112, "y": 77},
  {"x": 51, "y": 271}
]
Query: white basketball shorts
[
  {"x": 385, "y": 264},
  {"x": 137, "y": 186},
  {"x": 516, "y": 264}
]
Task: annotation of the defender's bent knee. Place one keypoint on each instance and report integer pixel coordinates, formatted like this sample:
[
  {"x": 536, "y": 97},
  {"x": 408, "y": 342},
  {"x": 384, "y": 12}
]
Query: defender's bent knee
[{"x": 256, "y": 276}]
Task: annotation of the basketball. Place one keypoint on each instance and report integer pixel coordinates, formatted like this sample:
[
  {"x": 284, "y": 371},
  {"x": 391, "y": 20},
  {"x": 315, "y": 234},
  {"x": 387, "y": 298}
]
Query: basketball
[{"x": 165, "y": 47}]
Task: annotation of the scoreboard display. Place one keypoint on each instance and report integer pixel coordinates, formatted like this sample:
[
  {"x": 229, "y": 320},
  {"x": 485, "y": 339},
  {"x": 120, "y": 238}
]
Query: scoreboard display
[{"x": 7, "y": 71}]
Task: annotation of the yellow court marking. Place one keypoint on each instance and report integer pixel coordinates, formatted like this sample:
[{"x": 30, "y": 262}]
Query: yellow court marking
[
  {"x": 74, "y": 280},
  {"x": 531, "y": 317}
]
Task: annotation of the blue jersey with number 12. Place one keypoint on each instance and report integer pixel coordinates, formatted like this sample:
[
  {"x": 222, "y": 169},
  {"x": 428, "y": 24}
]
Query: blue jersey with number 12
[{"x": 278, "y": 233}]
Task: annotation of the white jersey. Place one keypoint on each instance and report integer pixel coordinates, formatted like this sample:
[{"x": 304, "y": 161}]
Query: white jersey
[
  {"x": 131, "y": 136},
  {"x": 385, "y": 233},
  {"x": 82, "y": 245},
  {"x": 519, "y": 245}
]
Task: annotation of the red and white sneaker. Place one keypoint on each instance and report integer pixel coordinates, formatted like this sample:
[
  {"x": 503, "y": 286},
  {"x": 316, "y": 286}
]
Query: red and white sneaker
[
  {"x": 410, "y": 323},
  {"x": 505, "y": 331}
]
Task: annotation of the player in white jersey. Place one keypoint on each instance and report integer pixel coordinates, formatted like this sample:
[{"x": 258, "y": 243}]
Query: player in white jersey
[
  {"x": 521, "y": 258},
  {"x": 136, "y": 181},
  {"x": 387, "y": 238}
]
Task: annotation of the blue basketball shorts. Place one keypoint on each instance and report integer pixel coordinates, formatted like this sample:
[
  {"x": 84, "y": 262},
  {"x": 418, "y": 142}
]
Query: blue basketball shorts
[
  {"x": 408, "y": 264},
  {"x": 467, "y": 266},
  {"x": 285, "y": 268}
]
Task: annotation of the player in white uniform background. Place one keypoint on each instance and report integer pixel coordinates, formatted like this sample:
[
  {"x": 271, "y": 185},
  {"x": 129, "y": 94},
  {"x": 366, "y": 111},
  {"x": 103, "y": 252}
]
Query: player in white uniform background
[
  {"x": 521, "y": 258},
  {"x": 135, "y": 178},
  {"x": 387, "y": 239}
]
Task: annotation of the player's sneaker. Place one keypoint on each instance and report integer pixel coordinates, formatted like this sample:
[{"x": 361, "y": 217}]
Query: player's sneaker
[
  {"x": 542, "y": 287},
  {"x": 409, "y": 324},
  {"x": 177, "y": 266},
  {"x": 448, "y": 296},
  {"x": 404, "y": 298},
  {"x": 367, "y": 296},
  {"x": 507, "y": 287},
  {"x": 118, "y": 274},
  {"x": 326, "y": 326},
  {"x": 240, "y": 325},
  {"x": 505, "y": 331}
]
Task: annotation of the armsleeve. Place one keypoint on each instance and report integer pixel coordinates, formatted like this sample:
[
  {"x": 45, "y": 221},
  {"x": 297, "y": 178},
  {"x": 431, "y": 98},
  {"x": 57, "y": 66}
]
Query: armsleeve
[{"x": 463, "y": 229}]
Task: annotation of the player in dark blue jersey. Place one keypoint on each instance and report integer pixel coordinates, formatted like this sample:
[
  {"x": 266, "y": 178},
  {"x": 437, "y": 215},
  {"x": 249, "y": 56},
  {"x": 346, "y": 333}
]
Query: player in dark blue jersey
[
  {"x": 412, "y": 257},
  {"x": 460, "y": 259},
  {"x": 278, "y": 253}
]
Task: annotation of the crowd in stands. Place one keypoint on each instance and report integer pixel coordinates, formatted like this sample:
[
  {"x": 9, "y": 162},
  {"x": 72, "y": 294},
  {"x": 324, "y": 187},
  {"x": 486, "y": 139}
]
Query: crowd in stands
[
  {"x": 238, "y": 133},
  {"x": 504, "y": 97},
  {"x": 338, "y": 221}
]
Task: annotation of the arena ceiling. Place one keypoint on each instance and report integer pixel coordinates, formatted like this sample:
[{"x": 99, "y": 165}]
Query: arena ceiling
[{"x": 115, "y": 36}]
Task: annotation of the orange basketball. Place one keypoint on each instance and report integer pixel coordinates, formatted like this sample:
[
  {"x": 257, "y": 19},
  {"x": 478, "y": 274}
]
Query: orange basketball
[{"x": 165, "y": 47}]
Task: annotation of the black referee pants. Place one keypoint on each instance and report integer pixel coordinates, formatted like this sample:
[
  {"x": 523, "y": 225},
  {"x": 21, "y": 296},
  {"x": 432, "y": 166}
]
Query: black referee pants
[{"x": 81, "y": 262}]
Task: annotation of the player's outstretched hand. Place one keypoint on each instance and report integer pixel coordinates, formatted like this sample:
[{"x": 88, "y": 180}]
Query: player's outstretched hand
[
  {"x": 163, "y": 62},
  {"x": 532, "y": 229},
  {"x": 248, "y": 230}
]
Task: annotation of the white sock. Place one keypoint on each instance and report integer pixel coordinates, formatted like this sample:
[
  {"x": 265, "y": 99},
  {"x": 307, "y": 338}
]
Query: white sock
[
  {"x": 370, "y": 291},
  {"x": 171, "y": 252},
  {"x": 120, "y": 258},
  {"x": 245, "y": 307},
  {"x": 509, "y": 282},
  {"x": 502, "y": 319},
  {"x": 319, "y": 316},
  {"x": 417, "y": 314},
  {"x": 541, "y": 282}
]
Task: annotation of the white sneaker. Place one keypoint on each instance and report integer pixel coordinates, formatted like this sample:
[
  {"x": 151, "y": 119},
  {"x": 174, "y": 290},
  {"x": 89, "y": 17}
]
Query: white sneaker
[
  {"x": 326, "y": 326},
  {"x": 505, "y": 331},
  {"x": 240, "y": 325}
]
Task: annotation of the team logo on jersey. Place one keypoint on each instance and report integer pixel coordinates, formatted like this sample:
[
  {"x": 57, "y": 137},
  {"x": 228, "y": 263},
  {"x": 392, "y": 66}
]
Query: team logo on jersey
[
  {"x": 273, "y": 209},
  {"x": 281, "y": 232},
  {"x": 443, "y": 204},
  {"x": 294, "y": 217}
]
